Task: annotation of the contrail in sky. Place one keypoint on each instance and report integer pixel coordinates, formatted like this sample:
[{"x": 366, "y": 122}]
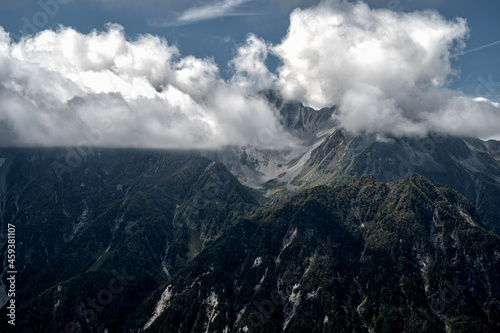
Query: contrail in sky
[{"x": 482, "y": 47}]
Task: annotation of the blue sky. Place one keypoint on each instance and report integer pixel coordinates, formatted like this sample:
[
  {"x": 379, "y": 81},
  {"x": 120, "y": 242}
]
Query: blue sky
[
  {"x": 218, "y": 35},
  {"x": 183, "y": 74}
]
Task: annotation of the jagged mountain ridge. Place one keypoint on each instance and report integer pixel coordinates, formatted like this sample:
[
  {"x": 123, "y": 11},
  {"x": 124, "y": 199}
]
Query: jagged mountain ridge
[
  {"x": 304, "y": 123},
  {"x": 255, "y": 166},
  {"x": 464, "y": 164},
  {"x": 329, "y": 155}
]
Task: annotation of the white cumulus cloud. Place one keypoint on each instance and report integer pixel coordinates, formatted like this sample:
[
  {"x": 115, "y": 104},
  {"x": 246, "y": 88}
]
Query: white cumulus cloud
[
  {"x": 67, "y": 88},
  {"x": 387, "y": 71}
]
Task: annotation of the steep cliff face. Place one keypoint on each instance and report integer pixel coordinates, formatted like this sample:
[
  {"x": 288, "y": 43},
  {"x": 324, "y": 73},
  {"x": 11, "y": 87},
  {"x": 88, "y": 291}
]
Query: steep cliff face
[{"x": 364, "y": 256}]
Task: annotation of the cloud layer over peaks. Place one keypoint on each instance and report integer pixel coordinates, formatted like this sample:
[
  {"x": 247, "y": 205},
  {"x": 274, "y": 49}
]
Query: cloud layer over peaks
[
  {"x": 387, "y": 71},
  {"x": 66, "y": 88}
]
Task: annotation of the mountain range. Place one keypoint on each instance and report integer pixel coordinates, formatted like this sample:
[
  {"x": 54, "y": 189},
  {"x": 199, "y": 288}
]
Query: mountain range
[
  {"x": 325, "y": 154},
  {"x": 336, "y": 233}
]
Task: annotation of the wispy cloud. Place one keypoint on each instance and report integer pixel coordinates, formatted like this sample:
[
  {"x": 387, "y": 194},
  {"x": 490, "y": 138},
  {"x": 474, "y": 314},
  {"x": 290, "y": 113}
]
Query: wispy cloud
[
  {"x": 207, "y": 12},
  {"x": 201, "y": 13}
]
